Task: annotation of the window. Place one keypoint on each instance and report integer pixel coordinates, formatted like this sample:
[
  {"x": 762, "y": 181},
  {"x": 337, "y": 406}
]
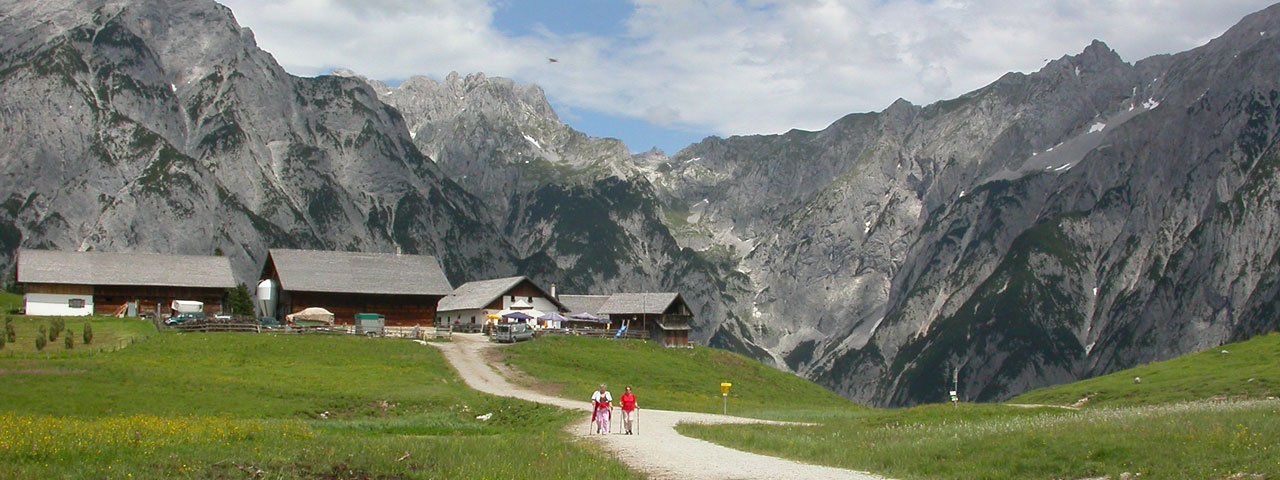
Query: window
[
  {"x": 75, "y": 303},
  {"x": 473, "y": 319}
]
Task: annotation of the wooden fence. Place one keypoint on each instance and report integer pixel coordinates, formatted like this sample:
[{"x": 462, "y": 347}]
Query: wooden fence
[{"x": 402, "y": 332}]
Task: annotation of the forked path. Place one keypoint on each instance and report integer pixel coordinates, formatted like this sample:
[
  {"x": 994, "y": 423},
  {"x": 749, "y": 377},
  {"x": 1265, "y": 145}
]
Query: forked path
[{"x": 658, "y": 451}]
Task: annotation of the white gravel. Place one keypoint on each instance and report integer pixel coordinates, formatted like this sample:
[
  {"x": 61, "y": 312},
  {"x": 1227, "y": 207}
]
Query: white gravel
[{"x": 657, "y": 451}]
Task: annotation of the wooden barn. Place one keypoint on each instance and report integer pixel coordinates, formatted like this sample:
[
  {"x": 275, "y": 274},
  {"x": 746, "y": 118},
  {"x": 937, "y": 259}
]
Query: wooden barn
[
  {"x": 100, "y": 283},
  {"x": 665, "y": 316},
  {"x": 403, "y": 288},
  {"x": 471, "y": 304}
]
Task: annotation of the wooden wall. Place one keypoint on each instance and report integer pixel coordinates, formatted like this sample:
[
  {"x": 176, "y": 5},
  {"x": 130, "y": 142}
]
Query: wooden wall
[
  {"x": 399, "y": 310},
  {"x": 107, "y": 299}
]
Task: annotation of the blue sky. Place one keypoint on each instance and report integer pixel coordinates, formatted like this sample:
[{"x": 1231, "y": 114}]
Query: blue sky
[{"x": 667, "y": 73}]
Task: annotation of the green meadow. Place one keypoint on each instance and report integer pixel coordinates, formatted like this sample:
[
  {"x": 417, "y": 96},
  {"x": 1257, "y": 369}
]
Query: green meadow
[
  {"x": 672, "y": 378},
  {"x": 1211, "y": 415},
  {"x": 175, "y": 405}
]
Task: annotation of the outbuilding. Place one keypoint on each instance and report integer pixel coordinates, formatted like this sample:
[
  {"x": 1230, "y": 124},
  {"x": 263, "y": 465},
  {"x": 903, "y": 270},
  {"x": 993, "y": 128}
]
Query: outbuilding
[
  {"x": 106, "y": 283},
  {"x": 404, "y": 289}
]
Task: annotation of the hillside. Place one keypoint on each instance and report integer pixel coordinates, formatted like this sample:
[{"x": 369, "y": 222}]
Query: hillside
[
  {"x": 1211, "y": 415},
  {"x": 670, "y": 379},
  {"x": 281, "y": 406},
  {"x": 1237, "y": 371}
]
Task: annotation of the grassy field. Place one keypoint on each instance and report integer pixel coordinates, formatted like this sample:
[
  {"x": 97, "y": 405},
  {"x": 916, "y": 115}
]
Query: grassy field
[
  {"x": 673, "y": 379},
  {"x": 108, "y": 334},
  {"x": 1210, "y": 415},
  {"x": 266, "y": 406},
  {"x": 1245, "y": 370}
]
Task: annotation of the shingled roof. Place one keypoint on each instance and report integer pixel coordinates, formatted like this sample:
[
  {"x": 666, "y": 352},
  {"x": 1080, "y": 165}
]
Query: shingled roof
[
  {"x": 355, "y": 272},
  {"x": 110, "y": 268},
  {"x": 642, "y": 303},
  {"x": 479, "y": 294},
  {"x": 584, "y": 303}
]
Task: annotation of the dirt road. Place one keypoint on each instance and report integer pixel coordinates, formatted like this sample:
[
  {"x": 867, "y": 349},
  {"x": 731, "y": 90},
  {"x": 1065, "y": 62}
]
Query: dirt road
[{"x": 658, "y": 451}]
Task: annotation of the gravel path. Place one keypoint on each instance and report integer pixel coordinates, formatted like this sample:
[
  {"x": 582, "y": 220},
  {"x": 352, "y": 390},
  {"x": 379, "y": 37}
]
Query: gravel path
[{"x": 658, "y": 451}]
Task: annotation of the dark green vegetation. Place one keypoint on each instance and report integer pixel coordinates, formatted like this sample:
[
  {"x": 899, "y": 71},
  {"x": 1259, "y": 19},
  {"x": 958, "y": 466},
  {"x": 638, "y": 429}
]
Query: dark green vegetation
[
  {"x": 1210, "y": 415},
  {"x": 673, "y": 379},
  {"x": 266, "y": 406}
]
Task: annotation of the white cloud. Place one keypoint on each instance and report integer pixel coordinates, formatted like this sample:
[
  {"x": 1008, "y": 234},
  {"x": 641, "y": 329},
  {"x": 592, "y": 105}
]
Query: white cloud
[{"x": 734, "y": 66}]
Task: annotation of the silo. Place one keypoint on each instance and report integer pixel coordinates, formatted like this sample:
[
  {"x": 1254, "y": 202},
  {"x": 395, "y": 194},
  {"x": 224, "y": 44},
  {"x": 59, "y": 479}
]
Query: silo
[{"x": 267, "y": 298}]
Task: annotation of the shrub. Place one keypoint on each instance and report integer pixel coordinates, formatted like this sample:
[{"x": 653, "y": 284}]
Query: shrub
[
  {"x": 2, "y": 341},
  {"x": 240, "y": 301},
  {"x": 88, "y": 333},
  {"x": 56, "y": 326},
  {"x": 9, "y": 331},
  {"x": 41, "y": 339},
  {"x": 66, "y": 340}
]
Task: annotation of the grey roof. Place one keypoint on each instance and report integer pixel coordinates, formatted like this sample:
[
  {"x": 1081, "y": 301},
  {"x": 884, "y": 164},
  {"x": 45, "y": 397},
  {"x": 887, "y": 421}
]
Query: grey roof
[
  {"x": 355, "y": 272},
  {"x": 644, "y": 303},
  {"x": 109, "y": 268},
  {"x": 584, "y": 303},
  {"x": 479, "y": 294}
]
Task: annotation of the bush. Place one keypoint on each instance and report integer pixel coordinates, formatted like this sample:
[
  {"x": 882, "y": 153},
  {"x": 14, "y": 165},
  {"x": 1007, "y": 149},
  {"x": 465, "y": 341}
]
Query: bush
[
  {"x": 41, "y": 339},
  {"x": 88, "y": 333},
  {"x": 9, "y": 331},
  {"x": 66, "y": 340},
  {"x": 2, "y": 341},
  {"x": 56, "y": 326}
]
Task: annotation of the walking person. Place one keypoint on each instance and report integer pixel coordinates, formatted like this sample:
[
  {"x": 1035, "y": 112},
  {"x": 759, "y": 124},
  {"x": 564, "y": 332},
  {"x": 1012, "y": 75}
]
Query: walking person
[
  {"x": 602, "y": 403},
  {"x": 629, "y": 408}
]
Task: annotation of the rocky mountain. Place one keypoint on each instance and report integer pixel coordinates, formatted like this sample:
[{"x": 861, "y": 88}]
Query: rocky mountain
[
  {"x": 1085, "y": 218},
  {"x": 1051, "y": 226},
  {"x": 578, "y": 211},
  {"x": 160, "y": 126}
]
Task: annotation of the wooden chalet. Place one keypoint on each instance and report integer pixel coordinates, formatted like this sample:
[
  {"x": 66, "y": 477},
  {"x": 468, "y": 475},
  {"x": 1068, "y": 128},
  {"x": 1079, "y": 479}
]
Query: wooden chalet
[
  {"x": 665, "y": 316},
  {"x": 405, "y": 289},
  {"x": 472, "y": 304},
  {"x": 101, "y": 283}
]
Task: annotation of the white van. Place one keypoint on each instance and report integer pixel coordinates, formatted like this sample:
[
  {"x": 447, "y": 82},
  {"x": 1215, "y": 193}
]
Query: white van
[{"x": 512, "y": 332}]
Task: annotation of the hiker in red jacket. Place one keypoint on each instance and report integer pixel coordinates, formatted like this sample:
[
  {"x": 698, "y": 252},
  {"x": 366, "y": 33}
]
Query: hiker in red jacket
[{"x": 628, "y": 408}]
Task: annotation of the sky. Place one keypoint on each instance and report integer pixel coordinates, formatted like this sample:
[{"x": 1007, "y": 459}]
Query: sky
[{"x": 667, "y": 73}]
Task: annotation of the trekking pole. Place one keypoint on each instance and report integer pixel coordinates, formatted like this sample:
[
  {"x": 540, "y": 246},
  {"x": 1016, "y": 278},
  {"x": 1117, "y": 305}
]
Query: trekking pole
[{"x": 637, "y": 420}]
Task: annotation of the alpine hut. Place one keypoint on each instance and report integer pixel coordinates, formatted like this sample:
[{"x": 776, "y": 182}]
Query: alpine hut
[
  {"x": 405, "y": 289},
  {"x": 108, "y": 283}
]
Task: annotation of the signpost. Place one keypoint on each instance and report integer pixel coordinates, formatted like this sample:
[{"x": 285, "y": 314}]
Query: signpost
[{"x": 724, "y": 392}]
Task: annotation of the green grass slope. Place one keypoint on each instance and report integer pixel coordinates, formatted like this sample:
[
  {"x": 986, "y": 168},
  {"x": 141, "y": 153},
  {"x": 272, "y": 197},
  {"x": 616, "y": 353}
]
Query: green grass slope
[
  {"x": 1210, "y": 415},
  {"x": 183, "y": 405},
  {"x": 1245, "y": 370},
  {"x": 672, "y": 379}
]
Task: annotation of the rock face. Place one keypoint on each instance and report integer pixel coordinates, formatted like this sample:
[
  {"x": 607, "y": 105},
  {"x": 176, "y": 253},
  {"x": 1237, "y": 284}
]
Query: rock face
[
  {"x": 161, "y": 126},
  {"x": 1089, "y": 217},
  {"x": 1084, "y": 218}
]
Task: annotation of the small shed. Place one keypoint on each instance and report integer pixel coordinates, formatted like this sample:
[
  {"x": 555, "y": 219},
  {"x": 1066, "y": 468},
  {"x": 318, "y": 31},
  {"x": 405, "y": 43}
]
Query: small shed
[{"x": 110, "y": 283}]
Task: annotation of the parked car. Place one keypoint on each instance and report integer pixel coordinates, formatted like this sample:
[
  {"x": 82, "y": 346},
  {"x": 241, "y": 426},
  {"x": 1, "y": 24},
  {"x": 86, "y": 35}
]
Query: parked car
[
  {"x": 182, "y": 318},
  {"x": 512, "y": 332}
]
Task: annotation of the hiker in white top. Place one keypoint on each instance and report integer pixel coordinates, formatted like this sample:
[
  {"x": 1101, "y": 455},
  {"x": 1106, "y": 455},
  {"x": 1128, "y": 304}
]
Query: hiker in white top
[{"x": 602, "y": 402}]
